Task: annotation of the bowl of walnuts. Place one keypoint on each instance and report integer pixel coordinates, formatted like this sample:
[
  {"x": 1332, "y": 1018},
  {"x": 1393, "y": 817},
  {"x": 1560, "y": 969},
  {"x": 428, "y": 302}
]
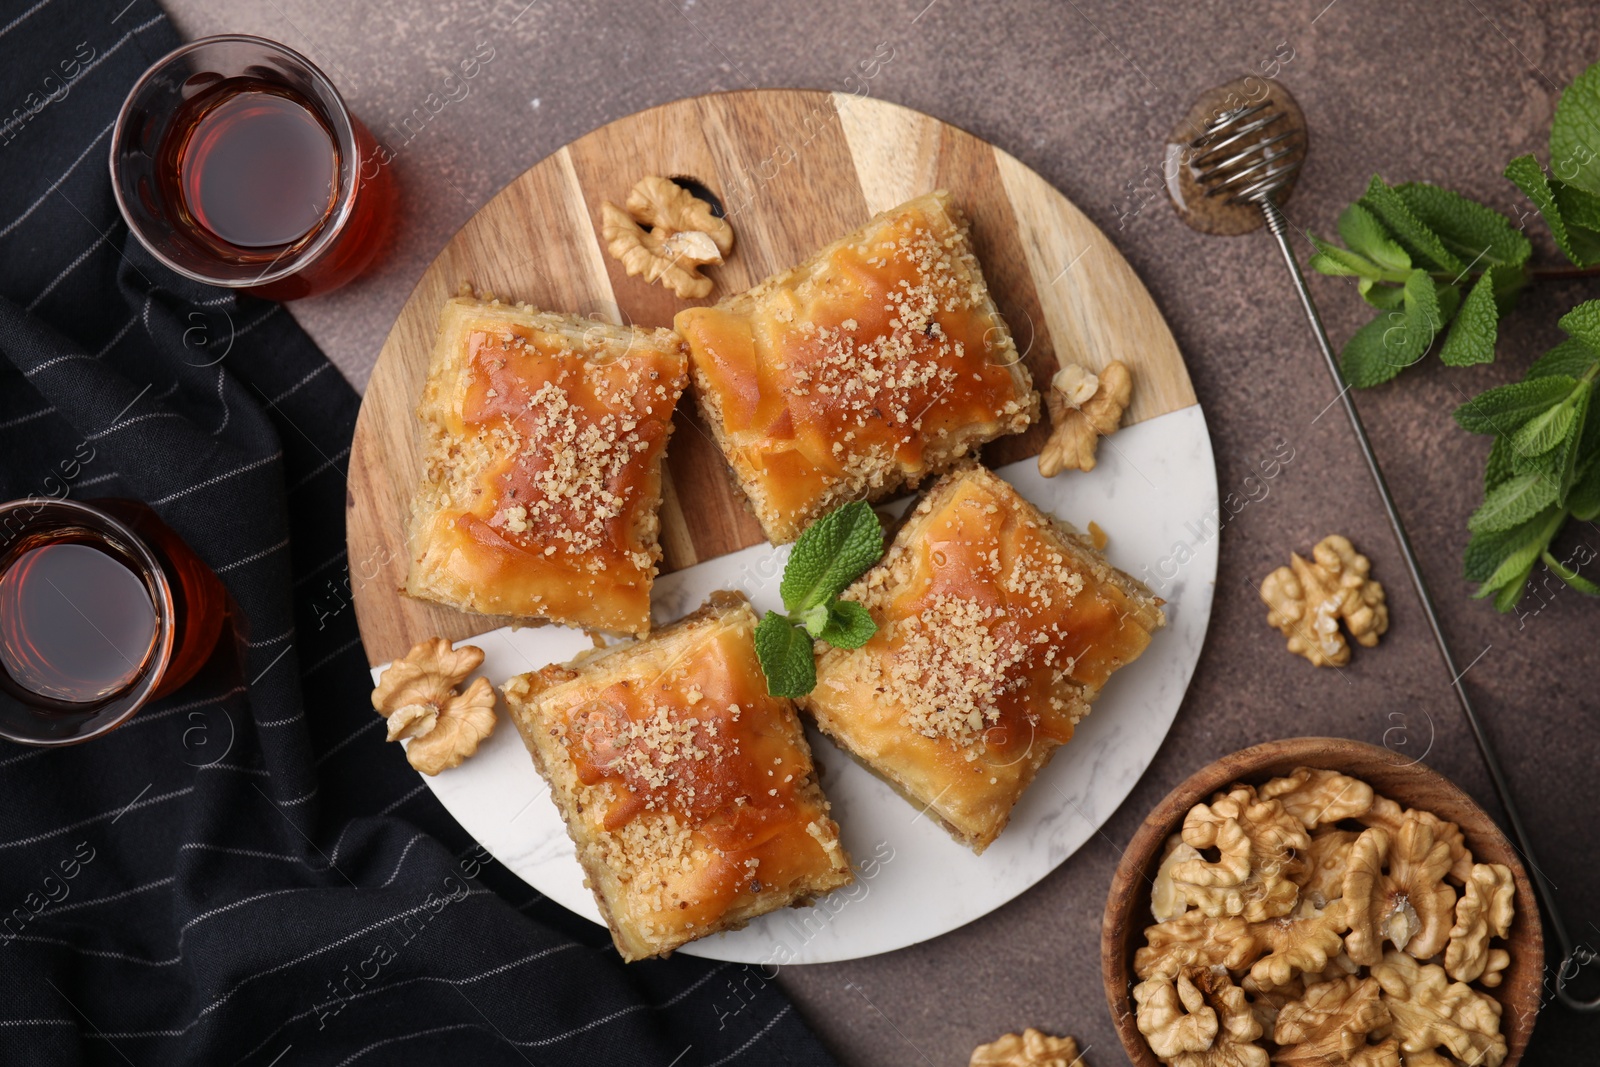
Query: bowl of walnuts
[{"x": 1319, "y": 901}]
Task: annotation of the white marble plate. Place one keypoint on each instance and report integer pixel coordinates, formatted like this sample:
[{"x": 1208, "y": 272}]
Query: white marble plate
[{"x": 1154, "y": 493}]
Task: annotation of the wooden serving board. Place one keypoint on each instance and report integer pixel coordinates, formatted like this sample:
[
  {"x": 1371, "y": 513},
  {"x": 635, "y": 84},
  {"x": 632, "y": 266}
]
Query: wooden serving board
[{"x": 795, "y": 170}]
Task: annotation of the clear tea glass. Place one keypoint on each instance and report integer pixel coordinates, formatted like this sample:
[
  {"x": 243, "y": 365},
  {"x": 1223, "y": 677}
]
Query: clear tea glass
[
  {"x": 236, "y": 163},
  {"x": 103, "y": 608}
]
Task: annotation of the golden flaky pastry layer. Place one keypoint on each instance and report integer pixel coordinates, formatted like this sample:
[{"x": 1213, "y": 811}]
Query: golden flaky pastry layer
[
  {"x": 997, "y": 626},
  {"x": 689, "y": 792},
  {"x": 542, "y": 465},
  {"x": 879, "y": 360}
]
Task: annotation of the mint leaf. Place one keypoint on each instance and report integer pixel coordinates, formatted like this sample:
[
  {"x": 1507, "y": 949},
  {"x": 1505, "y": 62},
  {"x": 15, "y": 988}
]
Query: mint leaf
[
  {"x": 1545, "y": 431},
  {"x": 1571, "y": 358},
  {"x": 1575, "y": 133},
  {"x": 1388, "y": 297},
  {"x": 1568, "y": 451},
  {"x": 1509, "y": 595},
  {"x": 850, "y": 625},
  {"x": 1578, "y": 208},
  {"x": 1366, "y": 236},
  {"x": 1448, "y": 297},
  {"x": 1503, "y": 410},
  {"x": 1411, "y": 232},
  {"x": 814, "y": 619},
  {"x": 1476, "y": 233},
  {"x": 1499, "y": 468},
  {"x": 1423, "y": 310},
  {"x": 830, "y": 555},
  {"x": 1332, "y": 260},
  {"x": 1472, "y": 338},
  {"x": 1368, "y": 359},
  {"x": 1487, "y": 551},
  {"x": 1514, "y": 501},
  {"x": 1583, "y": 322},
  {"x": 1577, "y": 245},
  {"x": 786, "y": 656},
  {"x": 1570, "y": 576},
  {"x": 1395, "y": 340},
  {"x": 1588, "y": 432},
  {"x": 1521, "y": 553}
]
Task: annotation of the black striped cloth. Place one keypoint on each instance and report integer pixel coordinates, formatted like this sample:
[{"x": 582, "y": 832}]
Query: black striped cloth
[{"x": 246, "y": 873}]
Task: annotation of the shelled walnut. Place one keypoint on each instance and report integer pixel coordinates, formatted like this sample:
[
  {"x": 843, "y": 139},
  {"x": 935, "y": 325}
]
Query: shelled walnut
[
  {"x": 1394, "y": 891},
  {"x": 1308, "y": 601},
  {"x": 1031, "y": 1048},
  {"x": 1484, "y": 911},
  {"x": 1259, "y": 845},
  {"x": 666, "y": 234},
  {"x": 1431, "y": 1012},
  {"x": 1084, "y": 407},
  {"x": 1199, "y": 1019},
  {"x": 417, "y": 695},
  {"x": 1275, "y": 908}
]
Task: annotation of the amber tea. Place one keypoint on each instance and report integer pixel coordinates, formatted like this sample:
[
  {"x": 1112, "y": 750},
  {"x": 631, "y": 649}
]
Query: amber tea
[
  {"x": 257, "y": 169},
  {"x": 102, "y": 607},
  {"x": 236, "y": 163}
]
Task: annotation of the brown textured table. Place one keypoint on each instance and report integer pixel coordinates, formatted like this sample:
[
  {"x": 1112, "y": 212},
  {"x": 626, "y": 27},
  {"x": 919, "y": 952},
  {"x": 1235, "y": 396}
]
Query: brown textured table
[{"x": 1083, "y": 91}]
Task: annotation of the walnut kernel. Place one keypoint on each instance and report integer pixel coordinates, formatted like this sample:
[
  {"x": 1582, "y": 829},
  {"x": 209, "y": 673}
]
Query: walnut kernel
[
  {"x": 1084, "y": 407},
  {"x": 417, "y": 696},
  {"x": 1308, "y": 600}
]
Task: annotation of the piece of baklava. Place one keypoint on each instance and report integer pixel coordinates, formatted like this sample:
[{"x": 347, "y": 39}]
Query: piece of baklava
[
  {"x": 542, "y": 465},
  {"x": 879, "y": 360},
  {"x": 997, "y": 626},
  {"x": 689, "y": 792}
]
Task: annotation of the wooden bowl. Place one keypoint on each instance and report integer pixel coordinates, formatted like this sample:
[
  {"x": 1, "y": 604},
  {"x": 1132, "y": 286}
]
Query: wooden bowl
[{"x": 1410, "y": 784}]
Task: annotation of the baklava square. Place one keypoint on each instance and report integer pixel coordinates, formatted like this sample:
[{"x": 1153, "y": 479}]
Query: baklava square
[
  {"x": 876, "y": 362},
  {"x": 689, "y": 792},
  {"x": 543, "y": 438},
  {"x": 997, "y": 626}
]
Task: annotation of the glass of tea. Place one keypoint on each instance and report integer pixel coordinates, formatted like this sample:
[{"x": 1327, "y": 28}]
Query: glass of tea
[
  {"x": 103, "y": 608},
  {"x": 235, "y": 162}
]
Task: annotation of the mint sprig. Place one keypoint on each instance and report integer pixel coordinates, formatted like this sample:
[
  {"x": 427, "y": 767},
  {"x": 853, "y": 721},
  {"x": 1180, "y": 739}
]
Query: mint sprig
[
  {"x": 1562, "y": 207},
  {"x": 1441, "y": 270},
  {"x": 1434, "y": 263},
  {"x": 832, "y": 552},
  {"x": 1544, "y": 466}
]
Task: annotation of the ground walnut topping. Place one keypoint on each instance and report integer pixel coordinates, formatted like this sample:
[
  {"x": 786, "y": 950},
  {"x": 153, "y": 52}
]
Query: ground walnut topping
[
  {"x": 955, "y": 660},
  {"x": 654, "y": 746},
  {"x": 1343, "y": 973},
  {"x": 957, "y": 663},
  {"x": 575, "y": 484},
  {"x": 892, "y": 375}
]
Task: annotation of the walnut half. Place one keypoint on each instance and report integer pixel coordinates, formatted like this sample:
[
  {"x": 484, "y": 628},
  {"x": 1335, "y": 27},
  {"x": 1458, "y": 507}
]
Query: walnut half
[
  {"x": 1199, "y": 1019},
  {"x": 1394, "y": 890},
  {"x": 417, "y": 695},
  {"x": 1485, "y": 910},
  {"x": 1084, "y": 407},
  {"x": 1428, "y": 1012},
  {"x": 1310, "y": 599},
  {"x": 1031, "y": 1048},
  {"x": 683, "y": 235}
]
